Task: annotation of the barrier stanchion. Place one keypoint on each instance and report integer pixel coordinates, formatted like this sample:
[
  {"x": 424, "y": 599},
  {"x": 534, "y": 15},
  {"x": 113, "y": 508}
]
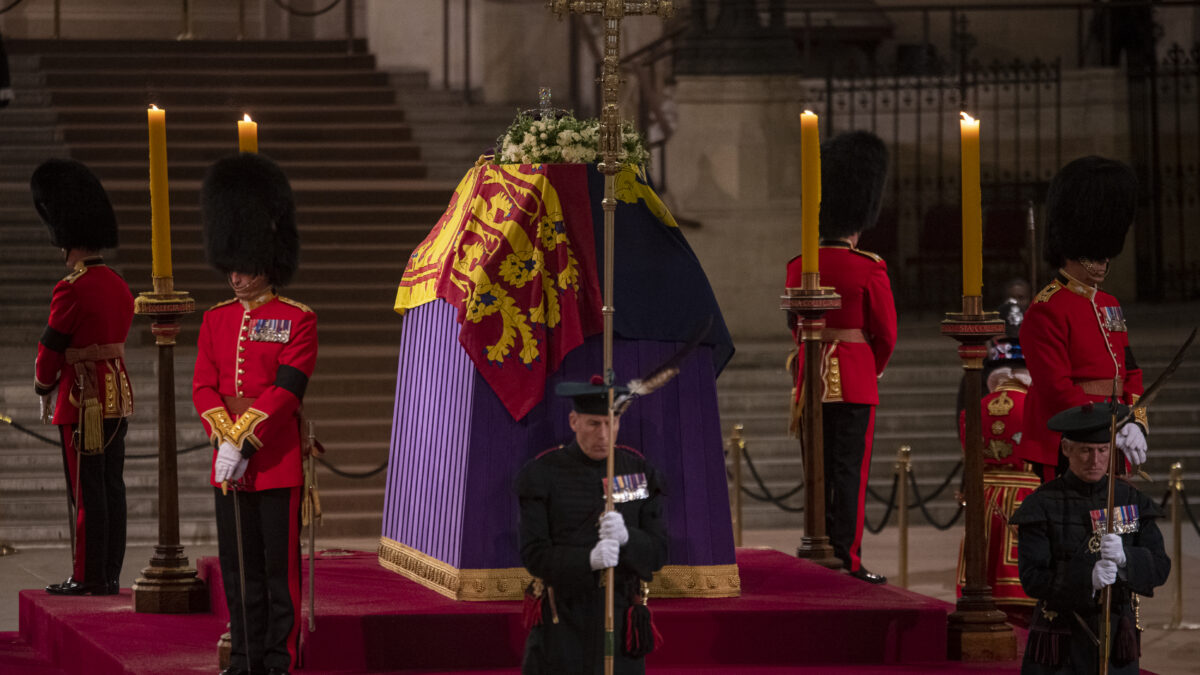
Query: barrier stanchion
[
  {"x": 1175, "y": 485},
  {"x": 737, "y": 445},
  {"x": 903, "y": 466}
]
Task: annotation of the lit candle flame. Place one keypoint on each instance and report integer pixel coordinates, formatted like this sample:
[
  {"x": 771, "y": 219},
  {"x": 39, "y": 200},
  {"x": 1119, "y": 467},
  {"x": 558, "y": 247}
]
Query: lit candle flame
[
  {"x": 966, "y": 117},
  {"x": 809, "y": 112},
  {"x": 153, "y": 107},
  {"x": 246, "y": 117}
]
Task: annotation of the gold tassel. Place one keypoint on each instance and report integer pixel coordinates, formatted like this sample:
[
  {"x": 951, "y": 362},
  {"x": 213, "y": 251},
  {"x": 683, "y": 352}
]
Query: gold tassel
[{"x": 93, "y": 427}]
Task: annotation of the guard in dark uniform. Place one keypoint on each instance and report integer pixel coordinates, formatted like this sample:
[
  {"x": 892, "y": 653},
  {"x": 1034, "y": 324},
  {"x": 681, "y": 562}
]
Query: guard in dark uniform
[
  {"x": 858, "y": 338},
  {"x": 1066, "y": 559},
  {"x": 567, "y": 541},
  {"x": 82, "y": 355},
  {"x": 256, "y": 353},
  {"x": 1074, "y": 332}
]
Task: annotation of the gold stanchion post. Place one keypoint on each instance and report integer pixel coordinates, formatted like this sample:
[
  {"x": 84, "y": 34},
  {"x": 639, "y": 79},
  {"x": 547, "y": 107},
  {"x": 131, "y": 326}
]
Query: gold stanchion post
[
  {"x": 1176, "y": 484},
  {"x": 976, "y": 630},
  {"x": 903, "y": 466},
  {"x": 809, "y": 303},
  {"x": 737, "y": 445}
]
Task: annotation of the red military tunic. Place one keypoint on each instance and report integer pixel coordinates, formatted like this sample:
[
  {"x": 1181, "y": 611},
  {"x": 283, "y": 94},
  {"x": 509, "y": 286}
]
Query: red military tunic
[
  {"x": 1075, "y": 342},
  {"x": 91, "y": 307},
  {"x": 1007, "y": 481},
  {"x": 264, "y": 352},
  {"x": 850, "y": 369}
]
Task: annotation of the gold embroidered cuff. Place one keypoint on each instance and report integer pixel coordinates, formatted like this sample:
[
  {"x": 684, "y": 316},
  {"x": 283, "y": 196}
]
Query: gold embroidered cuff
[
  {"x": 243, "y": 430},
  {"x": 1140, "y": 414},
  {"x": 220, "y": 424}
]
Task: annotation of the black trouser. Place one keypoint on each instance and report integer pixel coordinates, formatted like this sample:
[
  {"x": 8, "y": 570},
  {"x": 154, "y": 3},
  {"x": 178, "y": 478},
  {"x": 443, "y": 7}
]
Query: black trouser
[
  {"x": 270, "y": 522},
  {"x": 99, "y": 505},
  {"x": 848, "y": 429}
]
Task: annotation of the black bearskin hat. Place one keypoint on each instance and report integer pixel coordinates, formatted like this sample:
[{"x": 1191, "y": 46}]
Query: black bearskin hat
[
  {"x": 74, "y": 205},
  {"x": 250, "y": 218},
  {"x": 853, "y": 170},
  {"x": 1089, "y": 208}
]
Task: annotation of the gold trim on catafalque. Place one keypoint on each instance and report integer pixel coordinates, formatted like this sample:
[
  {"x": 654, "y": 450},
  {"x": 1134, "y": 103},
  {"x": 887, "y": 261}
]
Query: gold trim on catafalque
[{"x": 508, "y": 583}]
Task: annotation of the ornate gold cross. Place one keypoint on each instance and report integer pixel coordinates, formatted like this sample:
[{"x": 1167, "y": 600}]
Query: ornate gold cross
[{"x": 610, "y": 81}]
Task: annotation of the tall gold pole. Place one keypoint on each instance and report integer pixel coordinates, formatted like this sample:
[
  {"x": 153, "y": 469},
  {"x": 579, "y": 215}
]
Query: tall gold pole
[
  {"x": 903, "y": 467},
  {"x": 737, "y": 447},
  {"x": 612, "y": 11},
  {"x": 976, "y": 630}
]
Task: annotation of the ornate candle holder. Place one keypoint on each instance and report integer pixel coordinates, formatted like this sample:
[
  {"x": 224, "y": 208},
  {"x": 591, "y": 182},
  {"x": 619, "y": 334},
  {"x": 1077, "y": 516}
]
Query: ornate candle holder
[
  {"x": 976, "y": 629},
  {"x": 809, "y": 304},
  {"x": 168, "y": 585}
]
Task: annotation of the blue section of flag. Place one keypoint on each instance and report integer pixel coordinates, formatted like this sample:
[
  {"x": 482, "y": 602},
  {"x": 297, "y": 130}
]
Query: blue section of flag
[{"x": 660, "y": 290}]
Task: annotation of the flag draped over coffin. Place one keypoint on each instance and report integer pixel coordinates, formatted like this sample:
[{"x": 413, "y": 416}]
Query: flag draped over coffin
[{"x": 516, "y": 254}]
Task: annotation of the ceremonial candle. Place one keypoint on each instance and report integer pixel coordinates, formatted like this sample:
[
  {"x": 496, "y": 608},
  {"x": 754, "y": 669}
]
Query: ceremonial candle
[
  {"x": 247, "y": 135},
  {"x": 972, "y": 216},
  {"x": 160, "y": 209},
  {"x": 810, "y": 191}
]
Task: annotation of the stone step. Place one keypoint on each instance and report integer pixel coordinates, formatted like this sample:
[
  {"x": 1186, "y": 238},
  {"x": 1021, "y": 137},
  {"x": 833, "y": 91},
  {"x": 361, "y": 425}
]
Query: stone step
[
  {"x": 267, "y": 115},
  {"x": 173, "y": 63},
  {"x": 200, "y": 78},
  {"x": 281, "y": 152},
  {"x": 268, "y": 135},
  {"x": 246, "y": 98},
  {"x": 152, "y": 50}
]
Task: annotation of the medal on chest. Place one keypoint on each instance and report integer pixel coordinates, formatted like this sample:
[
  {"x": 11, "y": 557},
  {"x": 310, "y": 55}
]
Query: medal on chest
[
  {"x": 628, "y": 487},
  {"x": 1125, "y": 521},
  {"x": 1114, "y": 319},
  {"x": 271, "y": 330}
]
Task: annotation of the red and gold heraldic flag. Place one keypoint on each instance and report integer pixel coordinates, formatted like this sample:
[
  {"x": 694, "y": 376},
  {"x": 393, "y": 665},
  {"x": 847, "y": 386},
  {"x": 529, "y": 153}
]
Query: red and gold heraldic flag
[{"x": 514, "y": 252}]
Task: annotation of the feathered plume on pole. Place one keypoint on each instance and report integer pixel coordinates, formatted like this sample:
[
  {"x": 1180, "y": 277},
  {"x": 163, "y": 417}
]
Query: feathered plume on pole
[{"x": 663, "y": 374}]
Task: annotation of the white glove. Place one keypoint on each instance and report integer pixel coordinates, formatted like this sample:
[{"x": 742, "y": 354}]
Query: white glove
[
  {"x": 1104, "y": 573},
  {"x": 1112, "y": 549},
  {"x": 47, "y": 408},
  {"x": 612, "y": 526},
  {"x": 229, "y": 464},
  {"x": 604, "y": 555},
  {"x": 1132, "y": 442}
]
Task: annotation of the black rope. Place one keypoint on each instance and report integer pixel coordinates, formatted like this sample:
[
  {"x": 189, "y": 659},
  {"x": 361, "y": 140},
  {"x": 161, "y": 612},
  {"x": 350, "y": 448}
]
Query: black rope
[
  {"x": 891, "y": 504},
  {"x": 1187, "y": 508},
  {"x": 26, "y": 430},
  {"x": 350, "y": 474},
  {"x": 300, "y": 12},
  {"x": 154, "y": 455},
  {"x": 912, "y": 479},
  {"x": 766, "y": 493},
  {"x": 12, "y": 4}
]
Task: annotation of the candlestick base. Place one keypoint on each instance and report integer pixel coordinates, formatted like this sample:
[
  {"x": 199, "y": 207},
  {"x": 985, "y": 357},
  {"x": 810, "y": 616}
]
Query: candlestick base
[
  {"x": 976, "y": 630},
  {"x": 809, "y": 304}
]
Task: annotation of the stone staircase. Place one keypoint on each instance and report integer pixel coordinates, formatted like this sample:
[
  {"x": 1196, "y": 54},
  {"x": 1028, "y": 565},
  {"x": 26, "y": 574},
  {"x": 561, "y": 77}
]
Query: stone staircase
[
  {"x": 365, "y": 197},
  {"x": 917, "y": 398}
]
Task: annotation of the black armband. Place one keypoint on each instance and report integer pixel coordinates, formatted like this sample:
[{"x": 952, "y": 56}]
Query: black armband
[
  {"x": 55, "y": 340},
  {"x": 291, "y": 379}
]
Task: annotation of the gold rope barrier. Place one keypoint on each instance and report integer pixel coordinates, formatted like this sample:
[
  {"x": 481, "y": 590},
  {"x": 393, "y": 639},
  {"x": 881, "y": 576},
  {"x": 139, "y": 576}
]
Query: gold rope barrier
[{"x": 1175, "y": 484}]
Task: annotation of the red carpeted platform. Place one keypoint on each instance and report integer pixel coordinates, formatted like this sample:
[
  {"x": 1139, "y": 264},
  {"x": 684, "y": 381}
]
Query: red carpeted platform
[{"x": 793, "y": 616}]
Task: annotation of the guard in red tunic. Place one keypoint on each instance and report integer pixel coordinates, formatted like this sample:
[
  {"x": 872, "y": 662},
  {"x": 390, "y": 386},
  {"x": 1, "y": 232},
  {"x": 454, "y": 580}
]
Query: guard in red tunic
[
  {"x": 82, "y": 355},
  {"x": 256, "y": 353},
  {"x": 1074, "y": 332},
  {"x": 858, "y": 339},
  {"x": 1007, "y": 478}
]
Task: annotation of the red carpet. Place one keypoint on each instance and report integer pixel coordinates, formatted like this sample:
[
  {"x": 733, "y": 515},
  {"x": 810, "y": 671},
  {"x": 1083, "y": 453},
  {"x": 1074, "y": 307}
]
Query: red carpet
[{"x": 793, "y": 617}]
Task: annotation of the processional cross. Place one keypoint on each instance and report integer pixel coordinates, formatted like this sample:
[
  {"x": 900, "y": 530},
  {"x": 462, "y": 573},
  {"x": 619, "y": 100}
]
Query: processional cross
[{"x": 612, "y": 12}]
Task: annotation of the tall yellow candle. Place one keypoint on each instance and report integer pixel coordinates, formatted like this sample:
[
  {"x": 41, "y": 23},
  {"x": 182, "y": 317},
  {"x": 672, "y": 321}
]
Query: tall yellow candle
[
  {"x": 247, "y": 135},
  {"x": 160, "y": 208},
  {"x": 810, "y": 191},
  {"x": 972, "y": 216}
]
